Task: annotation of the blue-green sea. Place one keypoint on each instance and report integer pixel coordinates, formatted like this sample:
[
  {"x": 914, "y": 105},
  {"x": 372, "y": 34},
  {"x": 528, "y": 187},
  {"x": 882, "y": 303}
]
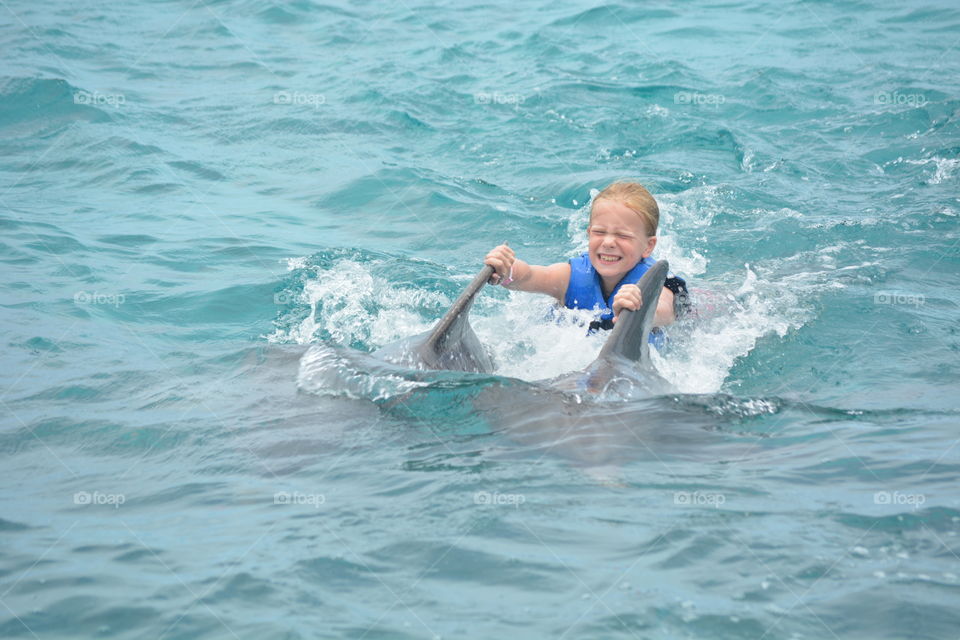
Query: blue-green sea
[{"x": 215, "y": 212}]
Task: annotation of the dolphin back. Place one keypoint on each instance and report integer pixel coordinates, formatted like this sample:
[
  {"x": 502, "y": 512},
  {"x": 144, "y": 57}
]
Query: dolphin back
[
  {"x": 628, "y": 339},
  {"x": 452, "y": 344}
]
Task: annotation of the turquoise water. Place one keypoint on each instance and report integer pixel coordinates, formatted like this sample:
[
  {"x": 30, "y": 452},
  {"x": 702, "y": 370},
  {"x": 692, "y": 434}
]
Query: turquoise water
[{"x": 211, "y": 210}]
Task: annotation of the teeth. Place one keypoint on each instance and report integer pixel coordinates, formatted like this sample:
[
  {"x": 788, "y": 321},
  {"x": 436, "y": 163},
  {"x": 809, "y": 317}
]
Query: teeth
[{"x": 609, "y": 258}]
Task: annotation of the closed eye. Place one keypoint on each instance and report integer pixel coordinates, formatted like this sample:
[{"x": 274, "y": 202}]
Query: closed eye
[{"x": 603, "y": 232}]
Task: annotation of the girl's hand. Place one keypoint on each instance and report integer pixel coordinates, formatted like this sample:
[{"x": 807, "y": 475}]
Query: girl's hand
[
  {"x": 629, "y": 297},
  {"x": 501, "y": 258}
]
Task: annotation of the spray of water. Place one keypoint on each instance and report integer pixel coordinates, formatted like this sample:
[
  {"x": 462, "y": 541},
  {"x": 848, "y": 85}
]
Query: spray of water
[{"x": 350, "y": 305}]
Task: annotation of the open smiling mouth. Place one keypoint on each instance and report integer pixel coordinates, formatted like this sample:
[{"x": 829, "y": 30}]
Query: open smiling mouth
[{"x": 608, "y": 258}]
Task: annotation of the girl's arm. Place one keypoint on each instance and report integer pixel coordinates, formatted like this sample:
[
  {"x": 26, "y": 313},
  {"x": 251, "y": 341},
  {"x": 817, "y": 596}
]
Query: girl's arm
[
  {"x": 551, "y": 280},
  {"x": 664, "y": 314}
]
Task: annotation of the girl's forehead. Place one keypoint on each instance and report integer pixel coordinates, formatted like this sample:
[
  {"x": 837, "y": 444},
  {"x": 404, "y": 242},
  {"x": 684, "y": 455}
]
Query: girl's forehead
[{"x": 616, "y": 214}]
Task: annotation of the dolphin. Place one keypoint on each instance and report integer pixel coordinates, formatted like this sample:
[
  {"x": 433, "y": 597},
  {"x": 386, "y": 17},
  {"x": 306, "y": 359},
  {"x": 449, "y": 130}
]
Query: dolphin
[{"x": 570, "y": 414}]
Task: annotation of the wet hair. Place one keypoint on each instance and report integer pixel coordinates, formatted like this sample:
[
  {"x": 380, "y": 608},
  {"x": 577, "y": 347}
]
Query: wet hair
[{"x": 635, "y": 197}]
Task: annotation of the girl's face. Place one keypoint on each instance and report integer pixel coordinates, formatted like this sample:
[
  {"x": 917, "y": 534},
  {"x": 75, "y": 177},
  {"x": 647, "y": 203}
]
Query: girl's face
[{"x": 618, "y": 240}]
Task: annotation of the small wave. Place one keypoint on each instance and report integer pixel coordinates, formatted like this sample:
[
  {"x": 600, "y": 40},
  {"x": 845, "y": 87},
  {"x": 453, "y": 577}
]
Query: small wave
[
  {"x": 28, "y": 105},
  {"x": 944, "y": 168},
  {"x": 198, "y": 170},
  {"x": 325, "y": 370},
  {"x": 612, "y": 15}
]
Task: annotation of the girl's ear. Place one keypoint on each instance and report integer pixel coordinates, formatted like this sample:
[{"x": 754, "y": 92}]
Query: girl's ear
[{"x": 651, "y": 243}]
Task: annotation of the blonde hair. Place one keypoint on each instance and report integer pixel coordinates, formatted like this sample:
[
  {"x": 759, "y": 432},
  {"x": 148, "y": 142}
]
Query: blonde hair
[{"x": 634, "y": 196}]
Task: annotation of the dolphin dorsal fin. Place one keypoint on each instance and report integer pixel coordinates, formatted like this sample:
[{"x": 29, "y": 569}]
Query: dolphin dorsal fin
[
  {"x": 452, "y": 344},
  {"x": 628, "y": 339}
]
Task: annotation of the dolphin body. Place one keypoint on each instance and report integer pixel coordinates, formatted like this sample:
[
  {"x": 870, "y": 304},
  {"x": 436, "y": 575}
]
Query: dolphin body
[{"x": 570, "y": 415}]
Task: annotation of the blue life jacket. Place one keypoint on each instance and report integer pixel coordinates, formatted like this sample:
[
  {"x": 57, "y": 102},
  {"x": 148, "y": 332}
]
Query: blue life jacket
[{"x": 584, "y": 291}]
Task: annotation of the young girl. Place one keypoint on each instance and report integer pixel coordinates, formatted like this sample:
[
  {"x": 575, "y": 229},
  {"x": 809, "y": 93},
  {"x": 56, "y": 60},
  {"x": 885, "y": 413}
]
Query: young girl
[{"x": 622, "y": 234}]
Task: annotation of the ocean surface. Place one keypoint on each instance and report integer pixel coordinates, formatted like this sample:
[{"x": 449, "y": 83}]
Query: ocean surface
[{"x": 214, "y": 212}]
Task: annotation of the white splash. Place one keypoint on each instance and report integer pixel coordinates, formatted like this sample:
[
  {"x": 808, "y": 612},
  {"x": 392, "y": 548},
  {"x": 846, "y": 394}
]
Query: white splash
[
  {"x": 296, "y": 263},
  {"x": 944, "y": 170},
  {"x": 351, "y": 305}
]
